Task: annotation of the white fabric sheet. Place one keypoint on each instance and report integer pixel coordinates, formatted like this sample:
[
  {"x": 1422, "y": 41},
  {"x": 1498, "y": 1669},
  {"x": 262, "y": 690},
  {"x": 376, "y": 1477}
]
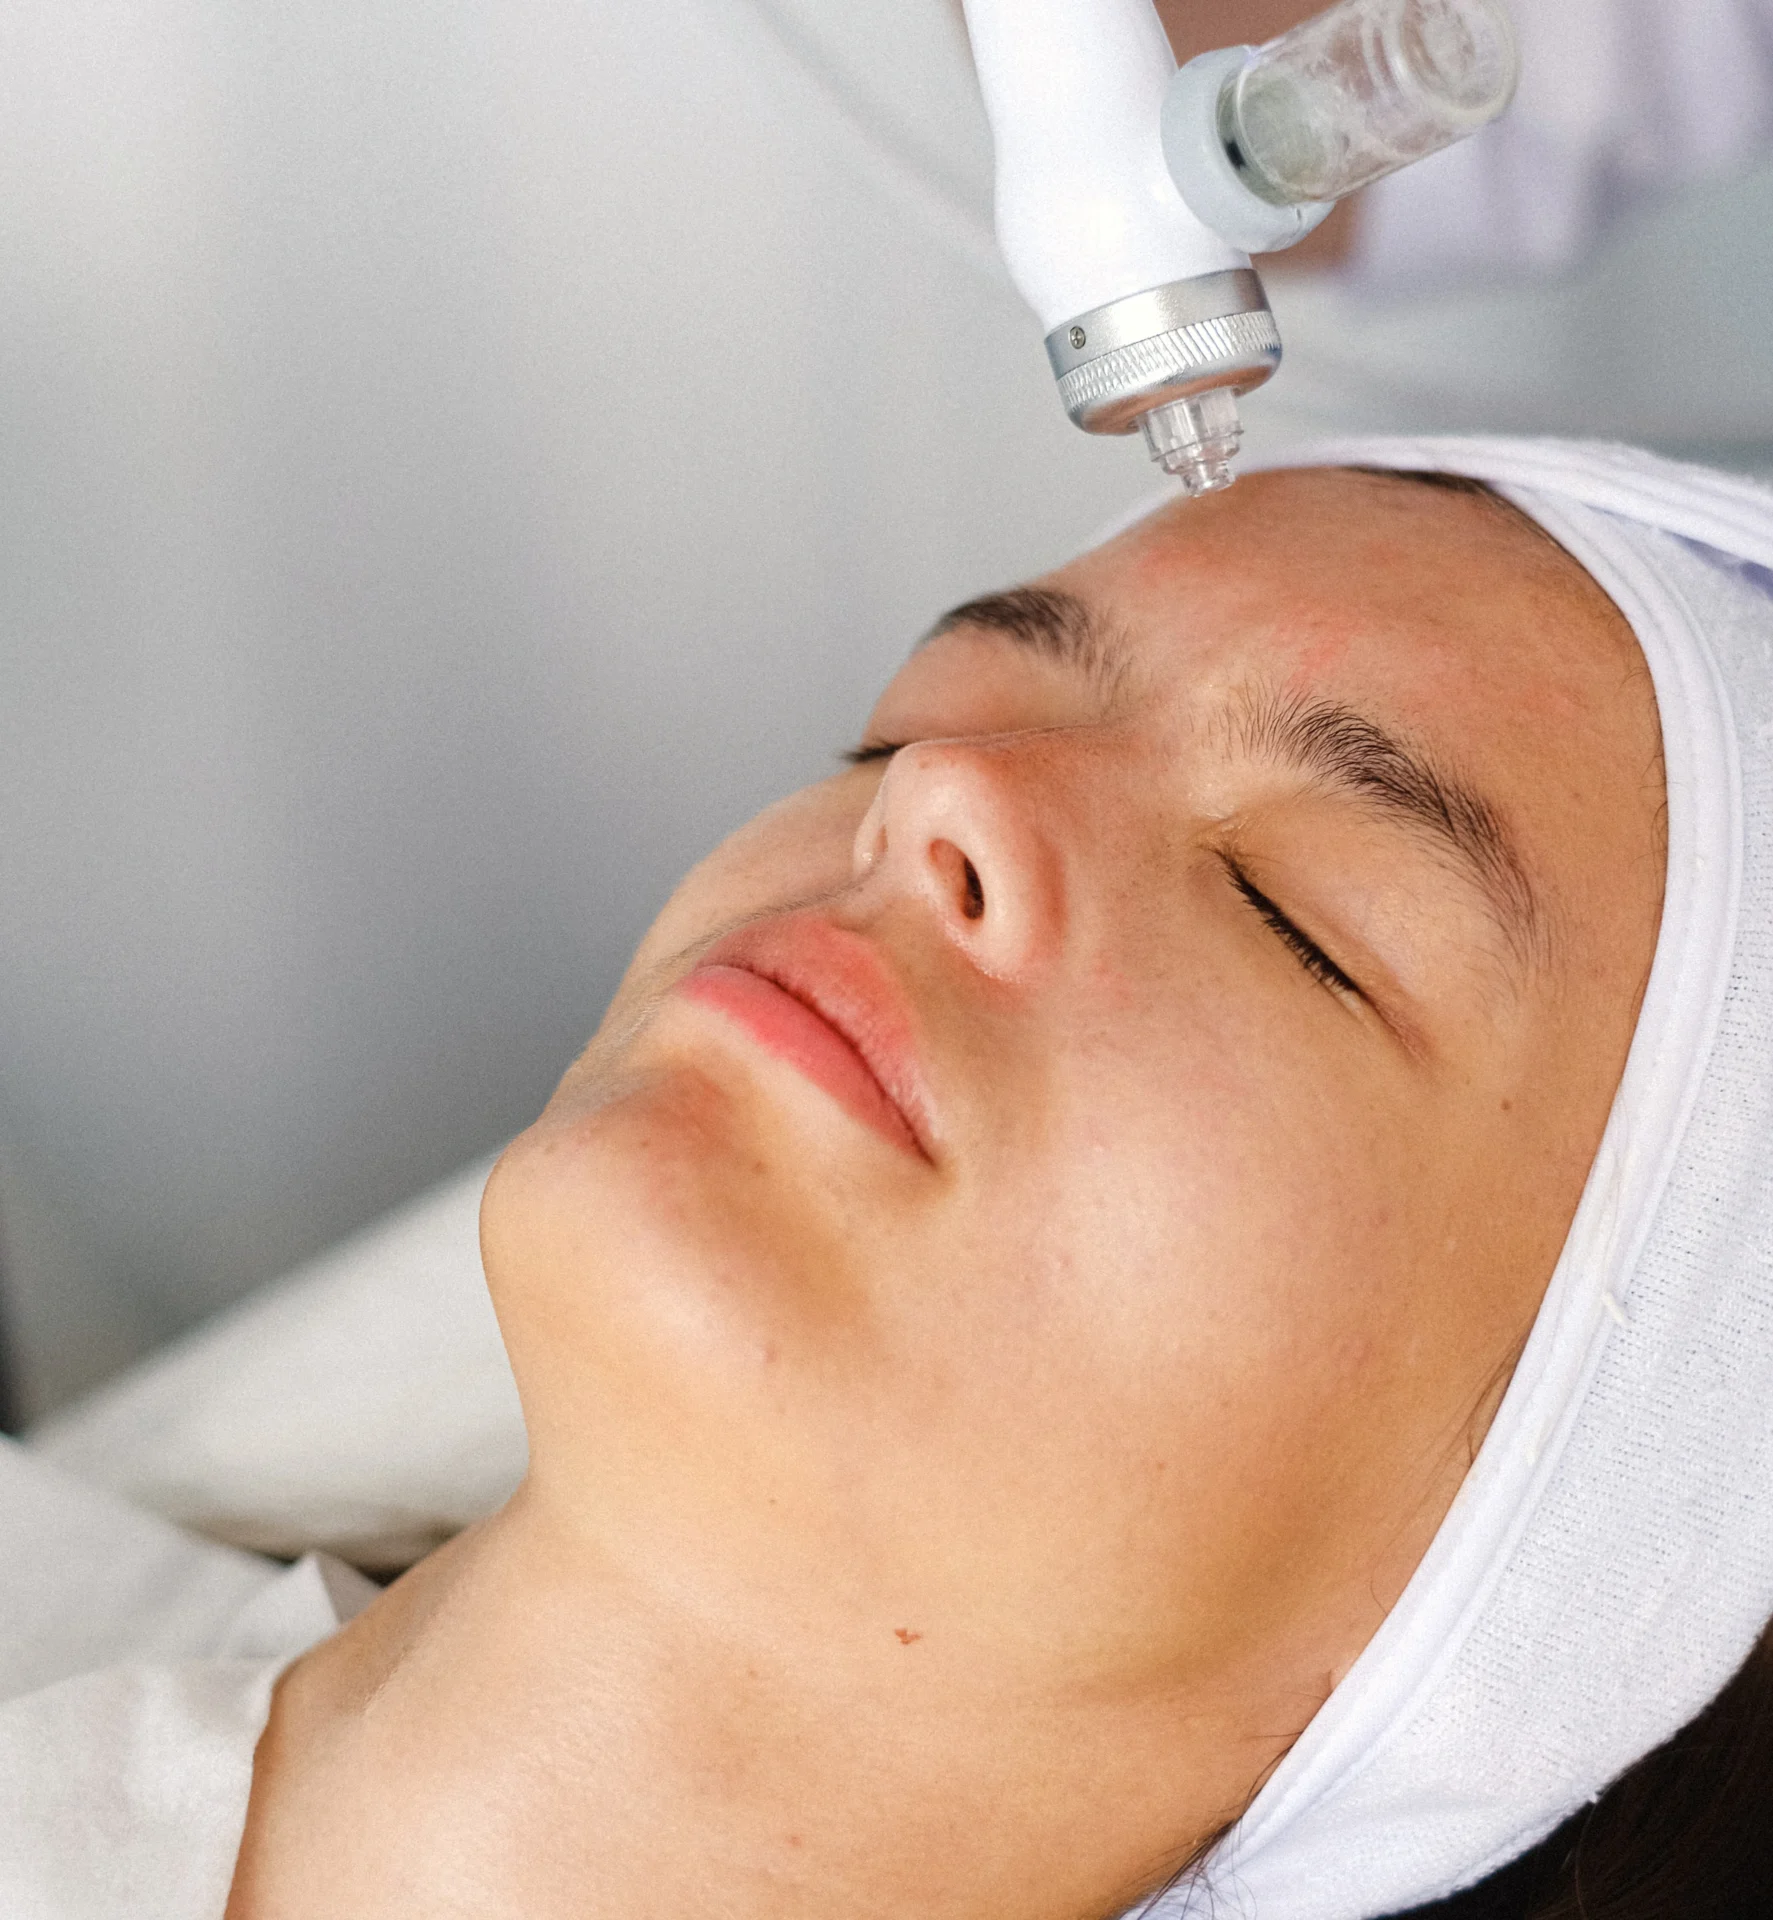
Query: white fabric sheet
[
  {"x": 362, "y": 1405},
  {"x": 136, "y": 1667}
]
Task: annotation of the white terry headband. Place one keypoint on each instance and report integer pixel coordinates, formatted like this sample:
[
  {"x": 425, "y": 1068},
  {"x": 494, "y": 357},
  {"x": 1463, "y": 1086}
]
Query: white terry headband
[{"x": 1609, "y": 1561}]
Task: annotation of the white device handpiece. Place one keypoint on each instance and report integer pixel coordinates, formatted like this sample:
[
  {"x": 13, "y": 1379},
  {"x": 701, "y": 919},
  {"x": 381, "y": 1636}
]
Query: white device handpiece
[
  {"x": 1087, "y": 211},
  {"x": 1153, "y": 320},
  {"x": 1125, "y": 189}
]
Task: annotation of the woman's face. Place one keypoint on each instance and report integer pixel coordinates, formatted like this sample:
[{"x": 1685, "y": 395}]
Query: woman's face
[{"x": 1066, "y": 1192}]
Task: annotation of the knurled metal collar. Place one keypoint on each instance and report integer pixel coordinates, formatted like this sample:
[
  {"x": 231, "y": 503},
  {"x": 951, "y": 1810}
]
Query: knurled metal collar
[{"x": 1169, "y": 343}]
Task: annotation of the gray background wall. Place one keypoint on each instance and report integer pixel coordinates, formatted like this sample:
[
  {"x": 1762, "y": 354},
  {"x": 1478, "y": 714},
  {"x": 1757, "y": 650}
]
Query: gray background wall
[{"x": 460, "y": 458}]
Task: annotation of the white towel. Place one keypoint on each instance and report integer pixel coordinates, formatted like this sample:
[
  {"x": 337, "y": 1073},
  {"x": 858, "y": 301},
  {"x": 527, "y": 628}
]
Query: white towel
[
  {"x": 1609, "y": 1561},
  {"x": 362, "y": 1405}
]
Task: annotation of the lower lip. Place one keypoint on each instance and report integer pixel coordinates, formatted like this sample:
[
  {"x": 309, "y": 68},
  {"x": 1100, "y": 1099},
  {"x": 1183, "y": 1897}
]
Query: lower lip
[{"x": 790, "y": 1030}]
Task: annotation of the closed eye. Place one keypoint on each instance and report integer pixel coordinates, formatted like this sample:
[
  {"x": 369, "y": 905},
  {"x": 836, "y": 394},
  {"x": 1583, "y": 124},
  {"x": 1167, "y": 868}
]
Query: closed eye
[
  {"x": 869, "y": 751},
  {"x": 1304, "y": 949}
]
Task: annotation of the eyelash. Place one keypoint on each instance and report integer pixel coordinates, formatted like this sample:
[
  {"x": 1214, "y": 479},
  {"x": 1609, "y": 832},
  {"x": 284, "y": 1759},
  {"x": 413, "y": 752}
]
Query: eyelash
[
  {"x": 864, "y": 756},
  {"x": 1305, "y": 950}
]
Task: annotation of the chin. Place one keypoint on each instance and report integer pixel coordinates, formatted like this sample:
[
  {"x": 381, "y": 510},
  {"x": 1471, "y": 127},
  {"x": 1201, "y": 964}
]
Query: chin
[
  {"x": 684, "y": 1325},
  {"x": 654, "y": 1244}
]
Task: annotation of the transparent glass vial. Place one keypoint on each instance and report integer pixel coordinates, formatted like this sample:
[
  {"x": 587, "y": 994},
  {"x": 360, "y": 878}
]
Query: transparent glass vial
[{"x": 1364, "y": 89}]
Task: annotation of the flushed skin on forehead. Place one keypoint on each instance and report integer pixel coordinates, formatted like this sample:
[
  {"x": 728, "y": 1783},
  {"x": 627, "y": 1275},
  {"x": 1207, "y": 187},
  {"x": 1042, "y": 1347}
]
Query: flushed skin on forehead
[{"x": 1035, "y": 1452}]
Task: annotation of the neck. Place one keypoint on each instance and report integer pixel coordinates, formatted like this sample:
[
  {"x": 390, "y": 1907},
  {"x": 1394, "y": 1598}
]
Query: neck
[{"x": 517, "y": 1728}]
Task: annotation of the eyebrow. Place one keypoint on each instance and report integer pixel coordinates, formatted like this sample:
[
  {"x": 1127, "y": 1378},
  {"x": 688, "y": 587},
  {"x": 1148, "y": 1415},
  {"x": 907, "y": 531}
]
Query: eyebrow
[
  {"x": 1058, "y": 626},
  {"x": 1337, "y": 745},
  {"x": 1350, "y": 752}
]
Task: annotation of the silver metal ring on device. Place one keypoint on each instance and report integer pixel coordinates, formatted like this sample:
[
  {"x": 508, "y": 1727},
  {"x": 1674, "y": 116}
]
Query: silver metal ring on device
[
  {"x": 1141, "y": 316},
  {"x": 1171, "y": 343}
]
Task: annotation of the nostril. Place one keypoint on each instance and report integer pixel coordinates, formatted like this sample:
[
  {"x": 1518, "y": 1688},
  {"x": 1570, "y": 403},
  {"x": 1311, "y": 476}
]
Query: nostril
[{"x": 957, "y": 882}]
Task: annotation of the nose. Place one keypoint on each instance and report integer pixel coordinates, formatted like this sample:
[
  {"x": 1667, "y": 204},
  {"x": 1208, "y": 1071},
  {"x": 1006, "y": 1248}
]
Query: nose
[{"x": 957, "y": 827}]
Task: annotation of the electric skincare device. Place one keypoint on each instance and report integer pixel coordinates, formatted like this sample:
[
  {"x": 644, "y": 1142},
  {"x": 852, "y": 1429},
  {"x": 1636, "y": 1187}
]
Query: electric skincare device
[{"x": 1130, "y": 196}]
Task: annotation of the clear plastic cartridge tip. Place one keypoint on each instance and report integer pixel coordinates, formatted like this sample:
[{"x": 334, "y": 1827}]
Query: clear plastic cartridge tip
[{"x": 1196, "y": 439}]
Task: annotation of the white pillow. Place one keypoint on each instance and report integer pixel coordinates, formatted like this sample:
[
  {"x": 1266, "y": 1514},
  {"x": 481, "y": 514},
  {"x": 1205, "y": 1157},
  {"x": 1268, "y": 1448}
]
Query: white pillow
[{"x": 361, "y": 1405}]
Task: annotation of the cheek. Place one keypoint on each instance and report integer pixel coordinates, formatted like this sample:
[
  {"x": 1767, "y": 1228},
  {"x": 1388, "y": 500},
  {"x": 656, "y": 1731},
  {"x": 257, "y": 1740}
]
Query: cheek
[
  {"x": 1238, "y": 1223},
  {"x": 798, "y": 850},
  {"x": 1211, "y": 1257},
  {"x": 1148, "y": 1361}
]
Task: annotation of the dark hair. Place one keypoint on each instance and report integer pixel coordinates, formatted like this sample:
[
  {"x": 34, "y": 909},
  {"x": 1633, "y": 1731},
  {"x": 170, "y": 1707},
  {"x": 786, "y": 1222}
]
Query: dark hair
[
  {"x": 1686, "y": 1834},
  {"x": 1465, "y": 484}
]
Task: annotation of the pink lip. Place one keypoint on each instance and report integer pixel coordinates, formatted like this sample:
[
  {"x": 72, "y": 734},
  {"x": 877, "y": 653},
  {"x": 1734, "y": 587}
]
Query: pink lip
[{"x": 819, "y": 998}]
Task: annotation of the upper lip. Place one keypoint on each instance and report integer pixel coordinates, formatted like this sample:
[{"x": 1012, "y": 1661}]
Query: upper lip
[{"x": 840, "y": 976}]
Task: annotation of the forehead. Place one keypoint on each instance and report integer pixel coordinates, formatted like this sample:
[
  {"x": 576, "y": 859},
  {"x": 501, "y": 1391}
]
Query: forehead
[
  {"x": 1445, "y": 617},
  {"x": 1462, "y": 622}
]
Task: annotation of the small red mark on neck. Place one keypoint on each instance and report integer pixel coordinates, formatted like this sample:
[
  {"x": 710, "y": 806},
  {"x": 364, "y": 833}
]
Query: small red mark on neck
[{"x": 907, "y": 1635}]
